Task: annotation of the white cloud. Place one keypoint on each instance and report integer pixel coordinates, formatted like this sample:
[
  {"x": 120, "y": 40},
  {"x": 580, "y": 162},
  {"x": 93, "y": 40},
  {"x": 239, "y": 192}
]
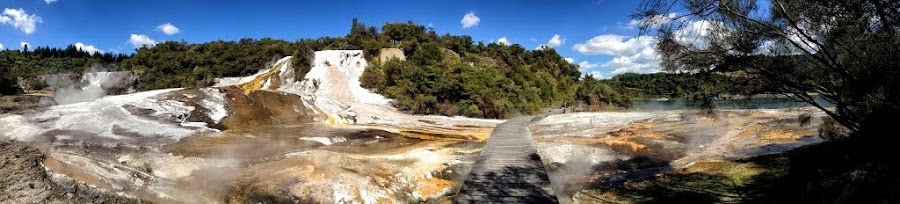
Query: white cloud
[
  {"x": 644, "y": 62},
  {"x": 1, "y": 46},
  {"x": 598, "y": 75},
  {"x": 431, "y": 25},
  {"x": 616, "y": 45},
  {"x": 555, "y": 41},
  {"x": 140, "y": 40},
  {"x": 20, "y": 19},
  {"x": 584, "y": 65},
  {"x": 569, "y": 59},
  {"x": 168, "y": 29},
  {"x": 630, "y": 54},
  {"x": 589, "y": 68},
  {"x": 792, "y": 44},
  {"x": 696, "y": 35},
  {"x": 470, "y": 20},
  {"x": 87, "y": 48},
  {"x": 23, "y": 44},
  {"x": 503, "y": 41},
  {"x": 635, "y": 23},
  {"x": 50, "y": 1},
  {"x": 652, "y": 22}
]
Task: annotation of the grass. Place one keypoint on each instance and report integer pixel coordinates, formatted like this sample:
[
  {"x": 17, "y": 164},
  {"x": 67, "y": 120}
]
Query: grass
[
  {"x": 824, "y": 173},
  {"x": 18, "y": 102},
  {"x": 706, "y": 182}
]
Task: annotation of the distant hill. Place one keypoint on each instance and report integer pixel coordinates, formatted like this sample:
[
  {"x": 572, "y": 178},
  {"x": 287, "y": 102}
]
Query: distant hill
[
  {"x": 29, "y": 63},
  {"x": 442, "y": 74},
  {"x": 683, "y": 85}
]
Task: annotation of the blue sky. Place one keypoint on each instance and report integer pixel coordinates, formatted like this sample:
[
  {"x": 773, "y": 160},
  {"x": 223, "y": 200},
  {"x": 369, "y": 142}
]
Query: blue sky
[{"x": 596, "y": 33}]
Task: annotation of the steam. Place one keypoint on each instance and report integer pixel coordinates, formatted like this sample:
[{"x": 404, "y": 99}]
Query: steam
[
  {"x": 565, "y": 178},
  {"x": 571, "y": 166},
  {"x": 92, "y": 85}
]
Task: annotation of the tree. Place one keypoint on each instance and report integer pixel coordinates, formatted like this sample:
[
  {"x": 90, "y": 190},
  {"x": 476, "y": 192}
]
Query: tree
[
  {"x": 595, "y": 95},
  {"x": 841, "y": 51}
]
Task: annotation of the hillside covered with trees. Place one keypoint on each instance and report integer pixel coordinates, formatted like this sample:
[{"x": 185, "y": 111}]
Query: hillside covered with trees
[
  {"x": 25, "y": 63},
  {"x": 451, "y": 75},
  {"x": 46, "y": 60},
  {"x": 819, "y": 52},
  {"x": 692, "y": 86},
  {"x": 180, "y": 64},
  {"x": 443, "y": 74}
]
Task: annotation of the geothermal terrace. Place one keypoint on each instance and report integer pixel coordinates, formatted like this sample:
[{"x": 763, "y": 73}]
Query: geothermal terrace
[{"x": 325, "y": 139}]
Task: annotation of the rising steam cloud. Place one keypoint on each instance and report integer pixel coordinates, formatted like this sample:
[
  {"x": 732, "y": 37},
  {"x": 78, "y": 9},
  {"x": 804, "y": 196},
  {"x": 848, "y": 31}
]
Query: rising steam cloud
[{"x": 92, "y": 85}]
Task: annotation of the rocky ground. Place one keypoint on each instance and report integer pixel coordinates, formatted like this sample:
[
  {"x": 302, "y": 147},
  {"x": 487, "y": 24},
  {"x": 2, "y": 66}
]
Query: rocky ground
[
  {"x": 268, "y": 147},
  {"x": 262, "y": 138},
  {"x": 586, "y": 151},
  {"x": 23, "y": 102},
  {"x": 23, "y": 179},
  {"x": 267, "y": 138}
]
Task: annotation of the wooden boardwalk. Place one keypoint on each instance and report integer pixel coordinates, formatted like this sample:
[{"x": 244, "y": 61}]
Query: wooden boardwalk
[{"x": 508, "y": 170}]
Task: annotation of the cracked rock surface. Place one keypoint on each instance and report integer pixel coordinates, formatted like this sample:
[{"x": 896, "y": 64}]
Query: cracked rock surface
[{"x": 23, "y": 179}]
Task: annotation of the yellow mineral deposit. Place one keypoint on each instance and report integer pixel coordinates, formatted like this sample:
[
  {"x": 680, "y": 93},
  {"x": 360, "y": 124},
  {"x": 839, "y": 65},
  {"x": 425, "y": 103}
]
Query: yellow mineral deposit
[
  {"x": 623, "y": 145},
  {"x": 325, "y": 139},
  {"x": 272, "y": 79}
]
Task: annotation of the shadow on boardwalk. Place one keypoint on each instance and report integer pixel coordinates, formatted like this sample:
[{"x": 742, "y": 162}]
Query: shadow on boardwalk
[{"x": 510, "y": 184}]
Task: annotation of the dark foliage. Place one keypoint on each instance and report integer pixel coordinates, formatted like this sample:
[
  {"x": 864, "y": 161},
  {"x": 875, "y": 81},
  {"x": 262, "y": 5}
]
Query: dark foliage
[
  {"x": 15, "y": 64},
  {"x": 8, "y": 86},
  {"x": 452, "y": 75},
  {"x": 46, "y": 60},
  {"x": 444, "y": 74},
  {"x": 449, "y": 75},
  {"x": 595, "y": 95},
  {"x": 179, "y": 64},
  {"x": 823, "y": 173},
  {"x": 842, "y": 51},
  {"x": 673, "y": 85}
]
